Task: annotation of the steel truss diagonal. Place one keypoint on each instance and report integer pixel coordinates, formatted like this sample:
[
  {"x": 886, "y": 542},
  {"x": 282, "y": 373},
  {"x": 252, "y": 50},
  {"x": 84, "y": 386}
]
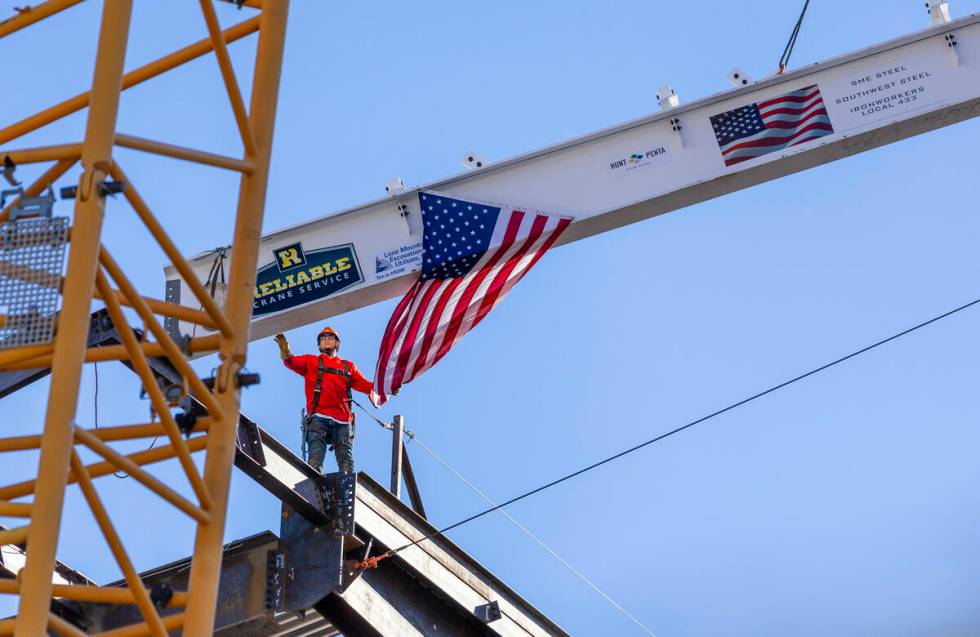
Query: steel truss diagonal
[{"x": 93, "y": 274}]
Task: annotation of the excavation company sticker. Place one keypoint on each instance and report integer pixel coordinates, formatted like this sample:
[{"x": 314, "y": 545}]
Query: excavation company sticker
[
  {"x": 882, "y": 91},
  {"x": 392, "y": 263},
  {"x": 297, "y": 276},
  {"x": 638, "y": 160}
]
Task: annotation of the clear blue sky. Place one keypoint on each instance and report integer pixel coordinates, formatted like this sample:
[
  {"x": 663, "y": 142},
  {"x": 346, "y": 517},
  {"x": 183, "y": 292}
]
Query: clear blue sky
[{"x": 844, "y": 505}]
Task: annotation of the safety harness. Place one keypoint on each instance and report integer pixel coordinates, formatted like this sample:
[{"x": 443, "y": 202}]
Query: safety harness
[{"x": 322, "y": 369}]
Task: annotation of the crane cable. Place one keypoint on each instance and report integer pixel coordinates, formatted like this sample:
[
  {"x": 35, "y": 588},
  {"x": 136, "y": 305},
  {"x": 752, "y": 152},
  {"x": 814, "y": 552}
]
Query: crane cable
[
  {"x": 788, "y": 51},
  {"x": 538, "y": 540},
  {"x": 373, "y": 562}
]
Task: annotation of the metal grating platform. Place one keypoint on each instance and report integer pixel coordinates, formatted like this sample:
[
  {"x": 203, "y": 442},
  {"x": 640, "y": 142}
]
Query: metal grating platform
[
  {"x": 32, "y": 258},
  {"x": 312, "y": 625}
]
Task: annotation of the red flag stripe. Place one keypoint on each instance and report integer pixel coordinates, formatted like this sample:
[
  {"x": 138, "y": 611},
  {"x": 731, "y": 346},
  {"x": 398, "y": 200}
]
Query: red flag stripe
[
  {"x": 436, "y": 314},
  {"x": 775, "y": 141},
  {"x": 738, "y": 160},
  {"x": 789, "y": 110},
  {"x": 812, "y": 90},
  {"x": 445, "y": 289},
  {"x": 432, "y": 331},
  {"x": 472, "y": 280},
  {"x": 786, "y": 125},
  {"x": 507, "y": 271},
  {"x": 543, "y": 244},
  {"x": 391, "y": 332},
  {"x": 452, "y": 334},
  {"x": 416, "y": 325}
]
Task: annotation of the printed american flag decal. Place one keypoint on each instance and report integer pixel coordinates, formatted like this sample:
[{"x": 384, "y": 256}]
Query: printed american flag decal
[{"x": 774, "y": 124}]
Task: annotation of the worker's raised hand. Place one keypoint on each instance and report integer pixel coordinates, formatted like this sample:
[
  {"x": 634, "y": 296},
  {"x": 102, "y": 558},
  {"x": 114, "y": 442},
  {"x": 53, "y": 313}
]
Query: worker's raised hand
[
  {"x": 283, "y": 344},
  {"x": 375, "y": 399}
]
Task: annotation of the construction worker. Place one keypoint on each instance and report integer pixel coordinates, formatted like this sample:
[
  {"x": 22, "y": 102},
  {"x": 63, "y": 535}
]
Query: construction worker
[{"x": 329, "y": 421}]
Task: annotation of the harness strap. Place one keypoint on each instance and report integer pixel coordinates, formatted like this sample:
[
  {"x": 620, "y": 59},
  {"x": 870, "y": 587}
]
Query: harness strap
[
  {"x": 322, "y": 369},
  {"x": 347, "y": 378},
  {"x": 318, "y": 387}
]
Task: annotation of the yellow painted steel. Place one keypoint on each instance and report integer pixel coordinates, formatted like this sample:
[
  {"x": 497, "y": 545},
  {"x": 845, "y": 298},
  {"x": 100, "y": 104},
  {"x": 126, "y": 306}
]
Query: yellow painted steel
[
  {"x": 98, "y": 354},
  {"x": 163, "y": 308},
  {"x": 64, "y": 628},
  {"x": 228, "y": 75},
  {"x": 14, "y": 536},
  {"x": 140, "y": 595},
  {"x": 20, "y": 443},
  {"x": 206, "y": 567},
  {"x": 140, "y": 475},
  {"x": 170, "y": 248},
  {"x": 100, "y": 469},
  {"x": 34, "y": 14},
  {"x": 172, "y": 350},
  {"x": 28, "y": 352},
  {"x": 16, "y": 509},
  {"x": 73, "y": 322},
  {"x": 44, "y": 153},
  {"x": 179, "y": 152},
  {"x": 131, "y": 79},
  {"x": 157, "y": 398},
  {"x": 107, "y": 595},
  {"x": 95, "y": 594},
  {"x": 119, "y": 432},
  {"x": 171, "y": 622},
  {"x": 59, "y": 463}
]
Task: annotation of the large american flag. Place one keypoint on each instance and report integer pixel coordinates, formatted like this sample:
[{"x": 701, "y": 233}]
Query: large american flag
[
  {"x": 777, "y": 123},
  {"x": 472, "y": 255}
]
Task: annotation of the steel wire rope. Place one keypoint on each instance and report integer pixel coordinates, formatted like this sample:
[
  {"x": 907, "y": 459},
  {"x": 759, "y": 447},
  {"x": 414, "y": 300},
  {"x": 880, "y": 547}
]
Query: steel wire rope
[
  {"x": 95, "y": 414},
  {"x": 412, "y": 436},
  {"x": 531, "y": 535},
  {"x": 677, "y": 430},
  {"x": 791, "y": 44},
  {"x": 95, "y": 418}
]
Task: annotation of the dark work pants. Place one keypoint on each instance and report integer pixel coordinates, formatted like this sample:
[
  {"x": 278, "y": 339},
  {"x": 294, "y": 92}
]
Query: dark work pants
[{"x": 323, "y": 432}]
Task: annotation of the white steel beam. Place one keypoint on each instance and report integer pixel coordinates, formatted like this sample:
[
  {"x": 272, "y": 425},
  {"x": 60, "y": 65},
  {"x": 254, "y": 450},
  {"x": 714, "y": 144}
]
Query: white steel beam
[{"x": 619, "y": 175}]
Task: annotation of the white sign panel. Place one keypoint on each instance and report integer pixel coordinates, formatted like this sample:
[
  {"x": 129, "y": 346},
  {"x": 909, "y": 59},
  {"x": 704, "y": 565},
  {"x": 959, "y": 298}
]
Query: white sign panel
[
  {"x": 638, "y": 159},
  {"x": 398, "y": 261},
  {"x": 881, "y": 91}
]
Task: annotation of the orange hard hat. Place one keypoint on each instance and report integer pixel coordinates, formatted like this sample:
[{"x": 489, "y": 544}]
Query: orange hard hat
[{"x": 327, "y": 330}]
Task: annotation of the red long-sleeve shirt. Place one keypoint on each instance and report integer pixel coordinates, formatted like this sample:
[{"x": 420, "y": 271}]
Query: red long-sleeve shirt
[{"x": 333, "y": 393}]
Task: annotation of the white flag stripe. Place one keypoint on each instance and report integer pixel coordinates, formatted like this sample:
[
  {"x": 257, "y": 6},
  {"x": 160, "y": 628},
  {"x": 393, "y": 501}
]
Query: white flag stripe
[
  {"x": 453, "y": 286},
  {"x": 770, "y": 132},
  {"x": 772, "y": 116},
  {"x": 523, "y": 263},
  {"x": 426, "y": 323},
  {"x": 800, "y": 92},
  {"x": 790, "y": 103},
  {"x": 402, "y": 330},
  {"x": 550, "y": 226},
  {"x": 791, "y": 133},
  {"x": 523, "y": 232},
  {"x": 440, "y": 289},
  {"x": 499, "y": 233}
]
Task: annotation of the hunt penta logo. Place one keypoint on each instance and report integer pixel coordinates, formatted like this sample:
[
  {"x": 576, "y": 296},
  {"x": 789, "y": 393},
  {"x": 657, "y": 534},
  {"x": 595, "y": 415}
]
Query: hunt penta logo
[{"x": 297, "y": 277}]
